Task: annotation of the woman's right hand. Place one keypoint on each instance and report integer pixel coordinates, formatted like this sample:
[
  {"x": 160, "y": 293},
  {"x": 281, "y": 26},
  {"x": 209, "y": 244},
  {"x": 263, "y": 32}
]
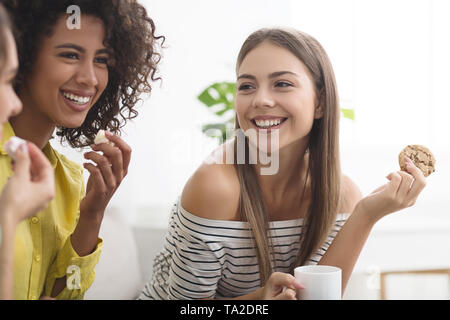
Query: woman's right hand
[
  {"x": 30, "y": 188},
  {"x": 280, "y": 286}
]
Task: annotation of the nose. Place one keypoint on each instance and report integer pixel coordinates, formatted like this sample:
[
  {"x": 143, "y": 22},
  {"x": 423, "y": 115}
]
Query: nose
[
  {"x": 15, "y": 104},
  {"x": 263, "y": 98},
  {"x": 86, "y": 75}
]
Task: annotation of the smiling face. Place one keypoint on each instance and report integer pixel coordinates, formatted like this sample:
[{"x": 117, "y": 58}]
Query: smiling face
[
  {"x": 275, "y": 91},
  {"x": 69, "y": 74},
  {"x": 10, "y": 103}
]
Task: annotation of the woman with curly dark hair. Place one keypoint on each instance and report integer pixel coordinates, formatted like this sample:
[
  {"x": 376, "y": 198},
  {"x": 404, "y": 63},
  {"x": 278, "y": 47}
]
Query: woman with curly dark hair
[{"x": 83, "y": 65}]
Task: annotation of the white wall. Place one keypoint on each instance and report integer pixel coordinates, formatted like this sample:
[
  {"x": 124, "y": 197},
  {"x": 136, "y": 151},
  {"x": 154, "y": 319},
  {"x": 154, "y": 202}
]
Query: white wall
[
  {"x": 391, "y": 63},
  {"x": 202, "y": 41}
]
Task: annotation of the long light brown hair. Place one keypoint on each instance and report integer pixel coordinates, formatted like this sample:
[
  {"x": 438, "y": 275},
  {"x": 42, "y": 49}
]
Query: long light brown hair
[
  {"x": 5, "y": 25},
  {"x": 324, "y": 165}
]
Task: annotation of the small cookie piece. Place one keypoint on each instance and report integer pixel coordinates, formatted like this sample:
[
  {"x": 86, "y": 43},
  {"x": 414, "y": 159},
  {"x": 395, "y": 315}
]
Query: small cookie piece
[
  {"x": 420, "y": 155},
  {"x": 13, "y": 144},
  {"x": 101, "y": 138}
]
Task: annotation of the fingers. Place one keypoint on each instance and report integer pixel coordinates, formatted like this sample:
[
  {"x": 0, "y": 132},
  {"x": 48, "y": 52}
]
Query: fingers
[
  {"x": 406, "y": 186},
  {"x": 96, "y": 176},
  {"x": 114, "y": 156},
  {"x": 395, "y": 180},
  {"x": 288, "y": 294},
  {"x": 419, "y": 180},
  {"x": 281, "y": 279},
  {"x": 22, "y": 162},
  {"x": 124, "y": 148},
  {"x": 282, "y": 286},
  {"x": 104, "y": 169}
]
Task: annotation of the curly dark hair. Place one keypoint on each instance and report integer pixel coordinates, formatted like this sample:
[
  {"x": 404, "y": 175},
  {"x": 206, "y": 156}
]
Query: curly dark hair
[{"x": 132, "y": 44}]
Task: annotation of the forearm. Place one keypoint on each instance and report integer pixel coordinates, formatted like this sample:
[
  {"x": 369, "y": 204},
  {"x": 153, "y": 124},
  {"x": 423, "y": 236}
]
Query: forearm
[
  {"x": 7, "y": 229},
  {"x": 84, "y": 238},
  {"x": 348, "y": 244}
]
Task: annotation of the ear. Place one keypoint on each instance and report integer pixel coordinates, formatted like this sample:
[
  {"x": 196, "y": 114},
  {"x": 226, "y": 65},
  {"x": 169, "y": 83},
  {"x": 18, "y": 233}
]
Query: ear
[{"x": 318, "y": 112}]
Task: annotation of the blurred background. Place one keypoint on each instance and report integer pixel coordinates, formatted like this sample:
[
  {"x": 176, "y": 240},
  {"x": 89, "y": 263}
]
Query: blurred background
[{"x": 392, "y": 67}]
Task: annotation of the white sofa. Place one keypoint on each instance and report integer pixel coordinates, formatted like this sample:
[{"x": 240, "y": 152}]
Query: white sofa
[{"x": 126, "y": 261}]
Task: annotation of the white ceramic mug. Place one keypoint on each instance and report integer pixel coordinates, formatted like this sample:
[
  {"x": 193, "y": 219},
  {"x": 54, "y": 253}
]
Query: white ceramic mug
[{"x": 320, "y": 282}]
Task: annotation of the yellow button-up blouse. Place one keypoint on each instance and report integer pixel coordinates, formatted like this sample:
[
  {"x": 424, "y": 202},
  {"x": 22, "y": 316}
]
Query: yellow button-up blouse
[{"x": 43, "y": 251}]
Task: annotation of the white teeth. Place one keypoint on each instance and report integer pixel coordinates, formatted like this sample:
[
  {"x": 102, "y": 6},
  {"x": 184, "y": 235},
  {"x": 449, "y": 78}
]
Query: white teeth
[
  {"x": 267, "y": 123},
  {"x": 76, "y": 99}
]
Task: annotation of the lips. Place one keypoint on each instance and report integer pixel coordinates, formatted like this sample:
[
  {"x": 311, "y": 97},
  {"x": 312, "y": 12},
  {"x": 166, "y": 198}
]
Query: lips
[
  {"x": 268, "y": 122},
  {"x": 77, "y": 101}
]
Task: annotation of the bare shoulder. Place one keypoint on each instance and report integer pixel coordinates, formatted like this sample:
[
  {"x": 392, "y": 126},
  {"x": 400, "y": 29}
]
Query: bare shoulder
[
  {"x": 212, "y": 192},
  {"x": 351, "y": 194}
]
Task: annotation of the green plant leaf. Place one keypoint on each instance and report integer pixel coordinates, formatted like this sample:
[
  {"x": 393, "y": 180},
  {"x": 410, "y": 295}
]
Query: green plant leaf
[
  {"x": 220, "y": 93},
  {"x": 348, "y": 113}
]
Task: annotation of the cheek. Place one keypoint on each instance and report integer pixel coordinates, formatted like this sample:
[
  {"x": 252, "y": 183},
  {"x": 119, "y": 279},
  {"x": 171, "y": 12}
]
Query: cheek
[
  {"x": 102, "y": 77},
  {"x": 51, "y": 71},
  {"x": 11, "y": 105},
  {"x": 241, "y": 107},
  {"x": 4, "y": 108},
  {"x": 302, "y": 108}
]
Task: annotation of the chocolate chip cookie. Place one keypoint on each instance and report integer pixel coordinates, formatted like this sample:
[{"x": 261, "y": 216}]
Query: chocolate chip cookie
[{"x": 420, "y": 155}]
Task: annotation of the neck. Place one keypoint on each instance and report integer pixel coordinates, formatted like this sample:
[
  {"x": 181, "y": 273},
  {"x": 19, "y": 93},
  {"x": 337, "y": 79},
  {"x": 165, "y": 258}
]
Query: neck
[
  {"x": 291, "y": 172},
  {"x": 32, "y": 125}
]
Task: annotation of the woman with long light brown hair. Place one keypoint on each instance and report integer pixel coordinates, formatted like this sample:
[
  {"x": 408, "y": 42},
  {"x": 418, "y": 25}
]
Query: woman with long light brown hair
[{"x": 238, "y": 232}]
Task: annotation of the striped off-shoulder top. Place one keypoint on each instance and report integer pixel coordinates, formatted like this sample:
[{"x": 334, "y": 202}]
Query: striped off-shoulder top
[{"x": 204, "y": 258}]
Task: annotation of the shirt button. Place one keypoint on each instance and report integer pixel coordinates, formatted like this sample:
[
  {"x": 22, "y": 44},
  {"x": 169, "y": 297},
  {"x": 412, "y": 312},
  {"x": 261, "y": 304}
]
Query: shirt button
[
  {"x": 37, "y": 258},
  {"x": 35, "y": 220}
]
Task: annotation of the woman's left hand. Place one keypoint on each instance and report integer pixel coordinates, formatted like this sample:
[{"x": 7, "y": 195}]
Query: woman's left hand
[
  {"x": 400, "y": 192},
  {"x": 111, "y": 168}
]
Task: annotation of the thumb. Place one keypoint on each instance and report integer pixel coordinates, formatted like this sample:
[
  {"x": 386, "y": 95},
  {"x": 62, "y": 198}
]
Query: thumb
[
  {"x": 380, "y": 188},
  {"x": 288, "y": 280},
  {"x": 22, "y": 162}
]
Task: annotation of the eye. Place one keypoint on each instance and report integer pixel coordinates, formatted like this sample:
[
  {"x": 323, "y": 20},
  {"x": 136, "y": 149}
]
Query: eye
[
  {"x": 101, "y": 60},
  {"x": 283, "y": 84},
  {"x": 244, "y": 87},
  {"x": 69, "y": 55}
]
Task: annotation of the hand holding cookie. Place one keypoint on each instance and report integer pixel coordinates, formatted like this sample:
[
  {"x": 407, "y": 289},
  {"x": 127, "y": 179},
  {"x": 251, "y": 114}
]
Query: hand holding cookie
[
  {"x": 421, "y": 156},
  {"x": 404, "y": 186}
]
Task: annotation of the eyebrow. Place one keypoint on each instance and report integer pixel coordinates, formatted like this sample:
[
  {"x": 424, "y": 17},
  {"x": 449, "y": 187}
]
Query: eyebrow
[
  {"x": 272, "y": 75},
  {"x": 78, "y": 48}
]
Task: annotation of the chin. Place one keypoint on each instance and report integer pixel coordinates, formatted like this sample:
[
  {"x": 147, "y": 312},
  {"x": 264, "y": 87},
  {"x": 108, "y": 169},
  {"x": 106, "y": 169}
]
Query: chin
[{"x": 71, "y": 123}]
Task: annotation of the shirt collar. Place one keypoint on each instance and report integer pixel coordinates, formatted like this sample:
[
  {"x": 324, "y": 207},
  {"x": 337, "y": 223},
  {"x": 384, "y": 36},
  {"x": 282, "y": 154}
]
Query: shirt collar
[{"x": 8, "y": 132}]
